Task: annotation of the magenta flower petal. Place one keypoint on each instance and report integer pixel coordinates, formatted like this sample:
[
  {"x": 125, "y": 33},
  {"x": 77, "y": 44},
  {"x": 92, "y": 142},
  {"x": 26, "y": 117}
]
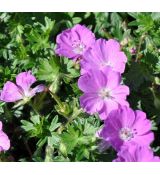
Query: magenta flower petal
[
  {"x": 10, "y": 92},
  {"x": 91, "y": 81},
  {"x": 108, "y": 107},
  {"x": 113, "y": 78},
  {"x": 85, "y": 83},
  {"x": 74, "y": 42},
  {"x": 104, "y": 54},
  {"x": 120, "y": 128},
  {"x": 136, "y": 153},
  {"x": 4, "y": 140},
  {"x": 0, "y": 125},
  {"x": 120, "y": 93},
  {"x": 141, "y": 121},
  {"x": 91, "y": 103},
  {"x": 25, "y": 80},
  {"x": 128, "y": 117},
  {"x": 38, "y": 89},
  {"x": 147, "y": 137}
]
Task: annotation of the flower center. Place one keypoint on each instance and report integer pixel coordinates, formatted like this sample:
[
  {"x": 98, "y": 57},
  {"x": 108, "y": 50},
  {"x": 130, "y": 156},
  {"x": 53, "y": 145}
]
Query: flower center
[
  {"x": 106, "y": 63},
  {"x": 105, "y": 93},
  {"x": 126, "y": 134},
  {"x": 78, "y": 47}
]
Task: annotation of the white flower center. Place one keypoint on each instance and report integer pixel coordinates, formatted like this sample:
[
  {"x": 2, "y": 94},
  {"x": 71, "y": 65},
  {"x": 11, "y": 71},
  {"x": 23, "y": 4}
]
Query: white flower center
[
  {"x": 78, "y": 47},
  {"x": 106, "y": 63},
  {"x": 105, "y": 93},
  {"x": 126, "y": 134}
]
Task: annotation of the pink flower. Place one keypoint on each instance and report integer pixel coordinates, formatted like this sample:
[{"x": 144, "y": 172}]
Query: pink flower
[
  {"x": 104, "y": 54},
  {"x": 22, "y": 89},
  {"x": 102, "y": 92},
  {"x": 124, "y": 126},
  {"x": 4, "y": 140},
  {"x": 74, "y": 42},
  {"x": 136, "y": 153}
]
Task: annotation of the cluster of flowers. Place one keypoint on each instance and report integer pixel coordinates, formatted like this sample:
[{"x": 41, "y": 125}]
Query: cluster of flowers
[
  {"x": 102, "y": 63},
  {"x": 21, "y": 91}
]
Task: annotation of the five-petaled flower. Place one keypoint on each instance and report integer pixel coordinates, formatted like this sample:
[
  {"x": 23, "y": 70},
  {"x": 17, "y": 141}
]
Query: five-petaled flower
[
  {"x": 124, "y": 126},
  {"x": 102, "y": 92},
  {"x": 22, "y": 90},
  {"x": 104, "y": 54},
  {"x": 74, "y": 42}
]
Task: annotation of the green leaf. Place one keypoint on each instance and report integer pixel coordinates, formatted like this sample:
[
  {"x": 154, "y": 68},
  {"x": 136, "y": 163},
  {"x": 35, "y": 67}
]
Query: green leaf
[
  {"x": 71, "y": 14},
  {"x": 80, "y": 135},
  {"x": 39, "y": 35},
  {"x": 38, "y": 41},
  {"x": 155, "y": 16},
  {"x": 49, "y": 69},
  {"x": 70, "y": 69},
  {"x": 35, "y": 119},
  {"x": 48, "y": 27},
  {"x": 5, "y": 17},
  {"x": 137, "y": 75},
  {"x": 54, "y": 140},
  {"x": 63, "y": 149},
  {"x": 35, "y": 128},
  {"x": 133, "y": 14},
  {"x": 70, "y": 138},
  {"x": 144, "y": 22},
  {"x": 133, "y": 23},
  {"x": 27, "y": 126},
  {"x": 41, "y": 142},
  {"x": 54, "y": 124},
  {"x": 76, "y": 20},
  {"x": 82, "y": 153}
]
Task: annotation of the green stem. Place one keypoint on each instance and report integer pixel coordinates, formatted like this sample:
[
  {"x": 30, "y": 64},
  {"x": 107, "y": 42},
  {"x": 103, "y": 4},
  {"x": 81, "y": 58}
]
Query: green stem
[
  {"x": 49, "y": 153},
  {"x": 67, "y": 76},
  {"x": 57, "y": 99},
  {"x": 69, "y": 121},
  {"x": 107, "y": 35},
  {"x": 139, "y": 47},
  {"x": 40, "y": 100}
]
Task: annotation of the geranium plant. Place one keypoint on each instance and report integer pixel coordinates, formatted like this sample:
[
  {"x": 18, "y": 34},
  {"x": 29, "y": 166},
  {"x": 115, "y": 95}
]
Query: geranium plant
[{"x": 80, "y": 87}]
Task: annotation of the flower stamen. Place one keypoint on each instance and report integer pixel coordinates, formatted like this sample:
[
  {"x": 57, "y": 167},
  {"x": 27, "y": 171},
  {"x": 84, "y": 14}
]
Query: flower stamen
[
  {"x": 105, "y": 93},
  {"x": 78, "y": 47},
  {"x": 126, "y": 134}
]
